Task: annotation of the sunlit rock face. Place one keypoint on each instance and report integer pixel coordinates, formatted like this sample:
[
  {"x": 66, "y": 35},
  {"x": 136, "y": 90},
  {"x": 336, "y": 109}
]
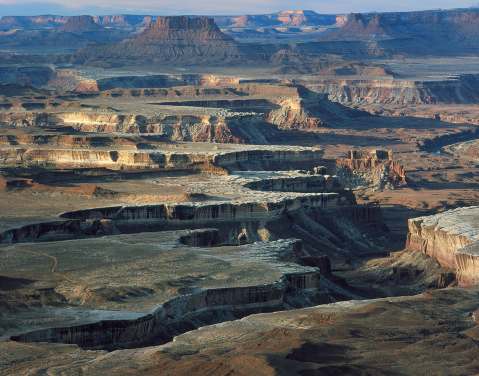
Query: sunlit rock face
[
  {"x": 376, "y": 169},
  {"x": 121, "y": 158},
  {"x": 461, "y": 89},
  {"x": 452, "y": 239}
]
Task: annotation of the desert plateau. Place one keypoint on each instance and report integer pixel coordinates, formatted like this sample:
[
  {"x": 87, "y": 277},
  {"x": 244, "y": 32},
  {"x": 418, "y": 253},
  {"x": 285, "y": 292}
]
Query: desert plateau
[{"x": 284, "y": 193}]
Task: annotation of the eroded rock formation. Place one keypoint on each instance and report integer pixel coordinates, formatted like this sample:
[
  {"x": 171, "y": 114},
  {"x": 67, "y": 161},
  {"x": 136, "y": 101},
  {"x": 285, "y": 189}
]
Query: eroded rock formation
[
  {"x": 156, "y": 159},
  {"x": 182, "y": 39},
  {"x": 226, "y": 128},
  {"x": 460, "y": 89},
  {"x": 452, "y": 239},
  {"x": 375, "y": 169},
  {"x": 202, "y": 306}
]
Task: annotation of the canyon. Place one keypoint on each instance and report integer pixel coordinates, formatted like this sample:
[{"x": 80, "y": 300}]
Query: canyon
[{"x": 290, "y": 193}]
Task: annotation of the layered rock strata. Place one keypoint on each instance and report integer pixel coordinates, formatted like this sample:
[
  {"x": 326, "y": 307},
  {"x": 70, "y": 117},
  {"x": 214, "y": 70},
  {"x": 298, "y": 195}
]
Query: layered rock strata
[
  {"x": 204, "y": 306},
  {"x": 294, "y": 113},
  {"x": 181, "y": 39},
  {"x": 236, "y": 114},
  {"x": 198, "y": 128},
  {"x": 451, "y": 238},
  {"x": 461, "y": 89},
  {"x": 152, "y": 159},
  {"x": 319, "y": 183},
  {"x": 376, "y": 169},
  {"x": 240, "y": 211},
  {"x": 341, "y": 338}
]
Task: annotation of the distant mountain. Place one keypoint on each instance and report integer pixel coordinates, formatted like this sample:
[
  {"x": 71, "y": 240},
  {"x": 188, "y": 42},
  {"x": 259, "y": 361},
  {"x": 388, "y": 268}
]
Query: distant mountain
[
  {"x": 57, "y": 33},
  {"x": 130, "y": 22},
  {"x": 187, "y": 40},
  {"x": 32, "y": 22},
  {"x": 292, "y": 37},
  {"x": 127, "y": 21},
  {"x": 80, "y": 24},
  {"x": 288, "y": 18},
  {"x": 412, "y": 33},
  {"x": 460, "y": 23}
]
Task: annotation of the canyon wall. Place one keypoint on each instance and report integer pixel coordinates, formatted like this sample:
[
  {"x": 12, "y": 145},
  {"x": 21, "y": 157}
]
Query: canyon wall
[
  {"x": 179, "y": 315},
  {"x": 451, "y": 238},
  {"x": 186, "y": 312},
  {"x": 47, "y": 156},
  {"x": 261, "y": 156},
  {"x": 26, "y": 76},
  {"x": 232, "y": 217},
  {"x": 166, "y": 81},
  {"x": 293, "y": 114},
  {"x": 227, "y": 128},
  {"x": 313, "y": 183},
  {"x": 457, "y": 90},
  {"x": 436, "y": 143},
  {"x": 86, "y": 158},
  {"x": 191, "y": 214}
]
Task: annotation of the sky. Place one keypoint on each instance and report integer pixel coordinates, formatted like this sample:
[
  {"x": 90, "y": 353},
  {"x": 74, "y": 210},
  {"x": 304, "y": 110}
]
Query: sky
[{"x": 167, "y": 7}]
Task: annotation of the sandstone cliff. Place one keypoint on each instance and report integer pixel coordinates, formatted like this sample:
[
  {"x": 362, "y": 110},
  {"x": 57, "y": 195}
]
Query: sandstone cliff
[
  {"x": 223, "y": 128},
  {"x": 83, "y": 155},
  {"x": 206, "y": 306},
  {"x": 461, "y": 89},
  {"x": 374, "y": 169},
  {"x": 451, "y": 238}
]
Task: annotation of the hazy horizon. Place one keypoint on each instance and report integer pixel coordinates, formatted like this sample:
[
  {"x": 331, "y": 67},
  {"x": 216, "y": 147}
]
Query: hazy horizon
[{"x": 215, "y": 7}]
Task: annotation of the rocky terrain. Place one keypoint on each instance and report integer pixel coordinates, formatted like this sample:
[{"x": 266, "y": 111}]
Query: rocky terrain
[
  {"x": 453, "y": 90},
  {"x": 408, "y": 32},
  {"x": 292, "y": 40},
  {"x": 376, "y": 170},
  {"x": 327, "y": 339},
  {"x": 168, "y": 39},
  {"x": 451, "y": 238},
  {"x": 280, "y": 194}
]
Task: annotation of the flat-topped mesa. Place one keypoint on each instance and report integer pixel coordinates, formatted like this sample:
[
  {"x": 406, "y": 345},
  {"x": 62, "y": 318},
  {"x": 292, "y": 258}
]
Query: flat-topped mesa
[
  {"x": 183, "y": 30},
  {"x": 299, "y": 108},
  {"x": 298, "y": 17},
  {"x": 69, "y": 140},
  {"x": 80, "y": 24},
  {"x": 293, "y": 114},
  {"x": 283, "y": 19},
  {"x": 91, "y": 158},
  {"x": 189, "y": 82},
  {"x": 421, "y": 33},
  {"x": 452, "y": 238},
  {"x": 458, "y": 25},
  {"x": 185, "y": 40},
  {"x": 375, "y": 168},
  {"x": 373, "y": 155}
]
